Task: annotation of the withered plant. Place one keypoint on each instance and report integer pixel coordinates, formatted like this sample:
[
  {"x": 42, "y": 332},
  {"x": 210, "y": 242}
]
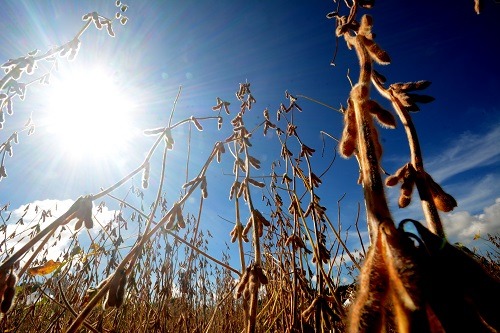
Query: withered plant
[{"x": 408, "y": 282}]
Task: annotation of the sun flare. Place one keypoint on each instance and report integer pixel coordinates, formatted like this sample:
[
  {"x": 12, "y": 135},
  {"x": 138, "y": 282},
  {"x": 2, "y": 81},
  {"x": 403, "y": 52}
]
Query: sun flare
[{"x": 88, "y": 113}]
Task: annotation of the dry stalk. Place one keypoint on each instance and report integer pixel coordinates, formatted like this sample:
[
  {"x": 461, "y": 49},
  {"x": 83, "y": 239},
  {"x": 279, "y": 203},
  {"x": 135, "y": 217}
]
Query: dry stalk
[{"x": 398, "y": 282}]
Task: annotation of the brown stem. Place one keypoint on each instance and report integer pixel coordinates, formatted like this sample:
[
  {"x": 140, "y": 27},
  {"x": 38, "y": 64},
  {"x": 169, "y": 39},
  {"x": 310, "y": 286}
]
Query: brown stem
[
  {"x": 430, "y": 211},
  {"x": 377, "y": 209}
]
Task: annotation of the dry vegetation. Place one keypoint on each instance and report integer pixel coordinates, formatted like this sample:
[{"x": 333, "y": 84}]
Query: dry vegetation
[{"x": 163, "y": 279}]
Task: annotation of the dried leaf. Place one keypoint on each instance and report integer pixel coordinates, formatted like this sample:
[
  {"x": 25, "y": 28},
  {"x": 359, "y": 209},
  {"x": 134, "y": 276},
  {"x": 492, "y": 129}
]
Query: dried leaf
[{"x": 44, "y": 269}]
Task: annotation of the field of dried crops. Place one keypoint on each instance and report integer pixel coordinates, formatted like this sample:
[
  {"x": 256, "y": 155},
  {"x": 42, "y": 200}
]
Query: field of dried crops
[{"x": 133, "y": 265}]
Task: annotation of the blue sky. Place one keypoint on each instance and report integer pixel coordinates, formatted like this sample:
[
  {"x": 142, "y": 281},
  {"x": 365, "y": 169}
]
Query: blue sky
[{"x": 210, "y": 47}]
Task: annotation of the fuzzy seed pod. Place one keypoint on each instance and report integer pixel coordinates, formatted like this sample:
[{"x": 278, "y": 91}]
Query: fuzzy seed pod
[
  {"x": 78, "y": 224},
  {"x": 384, "y": 118},
  {"x": 391, "y": 180},
  {"x": 3, "y": 172},
  {"x": 196, "y": 123},
  {"x": 170, "y": 223},
  {"x": 118, "y": 281},
  {"x": 256, "y": 183},
  {"x": 379, "y": 78},
  {"x": 407, "y": 186},
  {"x": 365, "y": 26},
  {"x": 416, "y": 98},
  {"x": 218, "y": 106},
  {"x": 203, "y": 186},
  {"x": 260, "y": 275},
  {"x": 306, "y": 314},
  {"x": 350, "y": 133},
  {"x": 154, "y": 131},
  {"x": 254, "y": 162},
  {"x": 238, "y": 228},
  {"x": 106, "y": 303},
  {"x": 3, "y": 281},
  {"x": 260, "y": 230},
  {"x": 443, "y": 201},
  {"x": 477, "y": 6},
  {"x": 376, "y": 52},
  {"x": 8, "y": 291},
  {"x": 120, "y": 292},
  {"x": 234, "y": 189},
  {"x": 145, "y": 176},
  {"x": 242, "y": 191},
  {"x": 403, "y": 201},
  {"x": 257, "y": 215},
  {"x": 247, "y": 227},
  {"x": 398, "y": 176},
  {"x": 309, "y": 209},
  {"x": 315, "y": 180},
  {"x": 8, "y": 299},
  {"x": 180, "y": 219},
  {"x": 242, "y": 284},
  {"x": 110, "y": 299},
  {"x": 410, "y": 86}
]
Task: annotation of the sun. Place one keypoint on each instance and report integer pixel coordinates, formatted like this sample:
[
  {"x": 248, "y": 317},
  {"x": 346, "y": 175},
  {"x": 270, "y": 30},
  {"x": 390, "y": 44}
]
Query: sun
[{"x": 88, "y": 114}]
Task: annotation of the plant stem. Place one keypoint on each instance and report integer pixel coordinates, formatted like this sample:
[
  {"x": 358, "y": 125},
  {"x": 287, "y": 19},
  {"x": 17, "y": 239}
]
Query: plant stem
[{"x": 377, "y": 209}]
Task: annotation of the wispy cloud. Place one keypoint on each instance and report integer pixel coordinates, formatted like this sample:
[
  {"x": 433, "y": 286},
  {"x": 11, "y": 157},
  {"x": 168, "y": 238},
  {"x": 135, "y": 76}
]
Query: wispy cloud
[
  {"x": 469, "y": 151},
  {"x": 474, "y": 194}
]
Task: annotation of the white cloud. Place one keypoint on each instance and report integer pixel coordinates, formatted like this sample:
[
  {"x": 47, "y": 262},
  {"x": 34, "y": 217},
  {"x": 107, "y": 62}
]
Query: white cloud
[
  {"x": 461, "y": 226},
  {"x": 24, "y": 220}
]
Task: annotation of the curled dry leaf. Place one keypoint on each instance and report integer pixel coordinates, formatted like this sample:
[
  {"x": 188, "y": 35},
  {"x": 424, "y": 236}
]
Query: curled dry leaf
[{"x": 44, "y": 269}]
